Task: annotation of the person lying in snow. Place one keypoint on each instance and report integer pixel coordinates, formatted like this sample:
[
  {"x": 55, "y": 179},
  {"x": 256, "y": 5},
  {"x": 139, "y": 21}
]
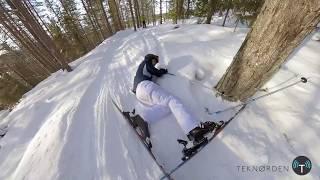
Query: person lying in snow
[{"x": 155, "y": 103}]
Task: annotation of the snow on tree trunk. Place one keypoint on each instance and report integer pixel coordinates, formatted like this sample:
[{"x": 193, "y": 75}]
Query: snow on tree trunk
[{"x": 279, "y": 28}]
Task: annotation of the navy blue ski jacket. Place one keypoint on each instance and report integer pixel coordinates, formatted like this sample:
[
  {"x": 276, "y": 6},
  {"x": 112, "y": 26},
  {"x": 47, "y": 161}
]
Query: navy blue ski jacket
[{"x": 146, "y": 70}]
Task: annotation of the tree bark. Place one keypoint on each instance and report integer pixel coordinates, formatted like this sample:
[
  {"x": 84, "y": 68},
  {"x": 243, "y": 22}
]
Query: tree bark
[{"x": 279, "y": 28}]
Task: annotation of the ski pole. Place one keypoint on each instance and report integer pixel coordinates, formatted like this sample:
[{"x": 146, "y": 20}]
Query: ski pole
[
  {"x": 192, "y": 81},
  {"x": 303, "y": 80}
]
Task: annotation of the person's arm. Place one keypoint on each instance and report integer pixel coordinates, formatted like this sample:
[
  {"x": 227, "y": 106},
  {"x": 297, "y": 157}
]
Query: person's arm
[{"x": 154, "y": 71}]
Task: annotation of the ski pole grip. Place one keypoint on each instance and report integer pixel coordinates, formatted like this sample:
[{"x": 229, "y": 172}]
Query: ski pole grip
[{"x": 304, "y": 80}]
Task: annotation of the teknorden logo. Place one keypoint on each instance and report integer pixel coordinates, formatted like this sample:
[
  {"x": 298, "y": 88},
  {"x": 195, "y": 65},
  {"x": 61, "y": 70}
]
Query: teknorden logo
[{"x": 301, "y": 165}]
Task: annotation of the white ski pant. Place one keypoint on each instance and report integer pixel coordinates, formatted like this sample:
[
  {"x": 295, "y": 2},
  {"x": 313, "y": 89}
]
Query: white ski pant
[{"x": 156, "y": 103}]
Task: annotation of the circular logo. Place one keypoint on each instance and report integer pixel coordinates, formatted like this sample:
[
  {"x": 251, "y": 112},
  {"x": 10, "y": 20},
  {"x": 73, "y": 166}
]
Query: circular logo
[{"x": 301, "y": 165}]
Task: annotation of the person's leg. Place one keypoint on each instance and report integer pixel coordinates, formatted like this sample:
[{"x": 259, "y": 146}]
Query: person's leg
[
  {"x": 143, "y": 92},
  {"x": 152, "y": 113},
  {"x": 184, "y": 118},
  {"x": 153, "y": 94}
]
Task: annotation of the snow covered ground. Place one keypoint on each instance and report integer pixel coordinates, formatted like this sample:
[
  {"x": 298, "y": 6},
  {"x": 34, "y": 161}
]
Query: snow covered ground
[{"x": 67, "y": 127}]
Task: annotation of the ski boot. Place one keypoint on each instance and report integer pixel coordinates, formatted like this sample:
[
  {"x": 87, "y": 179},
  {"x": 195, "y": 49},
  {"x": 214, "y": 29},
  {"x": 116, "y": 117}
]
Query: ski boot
[
  {"x": 198, "y": 134},
  {"x": 189, "y": 152}
]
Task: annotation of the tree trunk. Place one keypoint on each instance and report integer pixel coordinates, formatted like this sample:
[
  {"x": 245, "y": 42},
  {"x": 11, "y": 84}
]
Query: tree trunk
[
  {"x": 210, "y": 11},
  {"x": 188, "y": 9},
  {"x": 94, "y": 29},
  {"x": 76, "y": 26},
  {"x": 176, "y": 6},
  {"x": 38, "y": 33},
  {"x": 279, "y": 28},
  {"x": 179, "y": 9},
  {"x": 148, "y": 7},
  {"x": 166, "y": 16},
  {"x": 160, "y": 11},
  {"x": 142, "y": 10},
  {"x": 107, "y": 22},
  {"x": 93, "y": 11},
  {"x": 33, "y": 10},
  {"x": 121, "y": 16},
  {"x": 154, "y": 19},
  {"x": 127, "y": 15},
  {"x": 60, "y": 24},
  {"x": 132, "y": 16},
  {"x": 25, "y": 40},
  {"x": 225, "y": 17},
  {"x": 136, "y": 10},
  {"x": 114, "y": 14}
]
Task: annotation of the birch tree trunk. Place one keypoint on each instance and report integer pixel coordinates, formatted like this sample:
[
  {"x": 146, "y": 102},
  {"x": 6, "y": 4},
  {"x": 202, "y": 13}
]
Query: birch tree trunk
[{"x": 279, "y": 28}]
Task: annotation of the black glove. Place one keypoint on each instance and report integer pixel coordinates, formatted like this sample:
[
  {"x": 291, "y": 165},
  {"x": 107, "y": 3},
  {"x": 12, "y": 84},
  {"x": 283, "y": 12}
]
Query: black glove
[{"x": 163, "y": 71}]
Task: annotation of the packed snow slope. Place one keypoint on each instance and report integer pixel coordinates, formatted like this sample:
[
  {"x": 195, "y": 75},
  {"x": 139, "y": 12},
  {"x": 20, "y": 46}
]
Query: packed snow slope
[{"x": 67, "y": 128}]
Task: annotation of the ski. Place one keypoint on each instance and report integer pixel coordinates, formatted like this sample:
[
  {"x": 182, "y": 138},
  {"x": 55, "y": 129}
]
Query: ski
[
  {"x": 192, "y": 151},
  {"x": 139, "y": 126}
]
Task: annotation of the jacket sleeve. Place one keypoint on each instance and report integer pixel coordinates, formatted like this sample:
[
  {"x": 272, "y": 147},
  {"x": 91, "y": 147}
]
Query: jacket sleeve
[{"x": 154, "y": 71}]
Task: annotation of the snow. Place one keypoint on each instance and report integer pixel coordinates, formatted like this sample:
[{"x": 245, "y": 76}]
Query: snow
[{"x": 67, "y": 128}]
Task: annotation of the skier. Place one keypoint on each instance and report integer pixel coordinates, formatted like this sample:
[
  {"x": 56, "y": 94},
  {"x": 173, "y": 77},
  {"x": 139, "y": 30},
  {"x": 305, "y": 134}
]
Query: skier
[
  {"x": 144, "y": 25},
  {"x": 155, "y": 103}
]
